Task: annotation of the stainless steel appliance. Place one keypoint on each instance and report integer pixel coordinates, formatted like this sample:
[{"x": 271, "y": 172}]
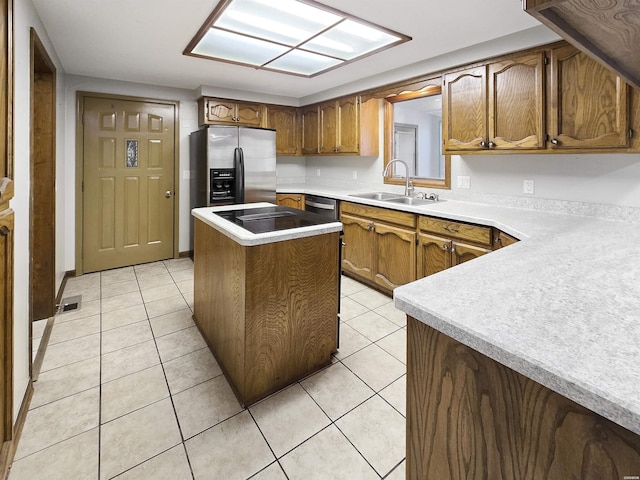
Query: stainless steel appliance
[
  {"x": 327, "y": 207},
  {"x": 232, "y": 165}
]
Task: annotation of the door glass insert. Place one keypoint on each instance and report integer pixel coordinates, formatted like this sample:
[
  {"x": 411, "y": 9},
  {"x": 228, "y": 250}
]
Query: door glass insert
[{"x": 132, "y": 153}]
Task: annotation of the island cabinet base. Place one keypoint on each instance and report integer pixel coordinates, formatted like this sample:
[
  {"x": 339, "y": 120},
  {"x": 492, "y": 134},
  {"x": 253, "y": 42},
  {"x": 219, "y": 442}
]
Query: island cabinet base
[
  {"x": 469, "y": 417},
  {"x": 268, "y": 312}
]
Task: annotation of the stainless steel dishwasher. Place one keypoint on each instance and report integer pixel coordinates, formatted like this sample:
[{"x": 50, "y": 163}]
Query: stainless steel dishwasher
[{"x": 327, "y": 207}]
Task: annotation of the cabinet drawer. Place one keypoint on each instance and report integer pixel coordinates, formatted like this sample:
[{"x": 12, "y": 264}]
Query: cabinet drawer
[
  {"x": 464, "y": 231},
  {"x": 382, "y": 214}
]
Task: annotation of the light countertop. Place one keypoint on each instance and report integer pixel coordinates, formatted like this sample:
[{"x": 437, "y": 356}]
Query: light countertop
[
  {"x": 248, "y": 239},
  {"x": 562, "y": 306}
]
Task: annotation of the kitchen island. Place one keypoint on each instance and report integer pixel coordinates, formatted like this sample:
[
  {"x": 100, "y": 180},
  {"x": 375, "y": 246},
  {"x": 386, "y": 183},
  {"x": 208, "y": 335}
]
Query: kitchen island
[{"x": 266, "y": 293}]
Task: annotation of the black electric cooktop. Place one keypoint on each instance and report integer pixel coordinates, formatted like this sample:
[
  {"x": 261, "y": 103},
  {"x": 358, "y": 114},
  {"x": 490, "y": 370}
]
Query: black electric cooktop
[{"x": 271, "y": 219}]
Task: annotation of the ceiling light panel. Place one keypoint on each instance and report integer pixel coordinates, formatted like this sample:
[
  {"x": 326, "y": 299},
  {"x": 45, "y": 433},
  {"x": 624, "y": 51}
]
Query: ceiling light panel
[
  {"x": 303, "y": 63},
  {"x": 349, "y": 40},
  {"x": 237, "y": 48},
  {"x": 300, "y": 37},
  {"x": 283, "y": 21}
]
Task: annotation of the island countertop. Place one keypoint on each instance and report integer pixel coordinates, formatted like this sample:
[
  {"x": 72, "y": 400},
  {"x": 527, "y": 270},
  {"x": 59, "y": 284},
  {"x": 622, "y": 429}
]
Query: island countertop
[
  {"x": 562, "y": 306},
  {"x": 246, "y": 238}
]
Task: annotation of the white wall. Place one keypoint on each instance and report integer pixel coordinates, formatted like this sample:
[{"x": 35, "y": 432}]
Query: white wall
[
  {"x": 25, "y": 18},
  {"x": 610, "y": 179}
]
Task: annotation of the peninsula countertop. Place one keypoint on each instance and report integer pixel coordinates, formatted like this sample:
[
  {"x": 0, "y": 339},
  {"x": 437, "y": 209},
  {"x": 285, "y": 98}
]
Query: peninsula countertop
[
  {"x": 562, "y": 306},
  {"x": 246, "y": 238}
]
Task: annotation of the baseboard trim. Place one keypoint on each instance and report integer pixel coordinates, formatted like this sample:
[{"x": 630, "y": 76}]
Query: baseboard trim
[
  {"x": 9, "y": 448},
  {"x": 187, "y": 254},
  {"x": 42, "y": 348},
  {"x": 68, "y": 274}
]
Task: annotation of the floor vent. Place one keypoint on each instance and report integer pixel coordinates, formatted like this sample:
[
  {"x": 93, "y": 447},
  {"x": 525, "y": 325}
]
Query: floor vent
[{"x": 71, "y": 304}]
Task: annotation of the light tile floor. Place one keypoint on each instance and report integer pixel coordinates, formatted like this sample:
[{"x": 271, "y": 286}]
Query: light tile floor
[{"x": 129, "y": 390}]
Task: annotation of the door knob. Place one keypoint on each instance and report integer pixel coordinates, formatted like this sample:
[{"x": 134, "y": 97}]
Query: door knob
[{"x": 168, "y": 194}]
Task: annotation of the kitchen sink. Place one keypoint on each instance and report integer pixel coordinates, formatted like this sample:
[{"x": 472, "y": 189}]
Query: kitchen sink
[
  {"x": 375, "y": 195},
  {"x": 412, "y": 201},
  {"x": 395, "y": 198}
]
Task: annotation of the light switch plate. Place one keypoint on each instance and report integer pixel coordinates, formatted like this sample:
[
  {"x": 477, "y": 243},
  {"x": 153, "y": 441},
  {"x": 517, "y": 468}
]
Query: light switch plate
[{"x": 464, "y": 181}]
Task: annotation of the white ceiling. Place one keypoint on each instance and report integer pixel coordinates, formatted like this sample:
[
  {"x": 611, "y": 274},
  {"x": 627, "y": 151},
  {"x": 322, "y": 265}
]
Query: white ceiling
[{"x": 142, "y": 40}]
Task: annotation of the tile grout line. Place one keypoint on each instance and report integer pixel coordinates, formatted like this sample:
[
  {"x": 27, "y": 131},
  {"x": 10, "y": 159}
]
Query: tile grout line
[{"x": 164, "y": 373}]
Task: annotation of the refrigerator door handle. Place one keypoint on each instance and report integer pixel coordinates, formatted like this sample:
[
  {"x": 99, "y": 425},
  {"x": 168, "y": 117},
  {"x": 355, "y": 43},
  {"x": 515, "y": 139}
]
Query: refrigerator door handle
[{"x": 238, "y": 160}]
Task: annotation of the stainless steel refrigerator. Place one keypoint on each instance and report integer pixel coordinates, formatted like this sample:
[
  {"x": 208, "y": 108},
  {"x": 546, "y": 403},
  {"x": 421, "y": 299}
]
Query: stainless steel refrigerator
[{"x": 232, "y": 165}]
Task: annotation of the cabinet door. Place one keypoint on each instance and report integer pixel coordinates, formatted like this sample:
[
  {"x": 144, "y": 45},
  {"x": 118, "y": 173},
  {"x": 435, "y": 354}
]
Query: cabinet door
[
  {"x": 357, "y": 254},
  {"x": 395, "y": 255},
  {"x": 310, "y": 130},
  {"x": 249, "y": 114},
  {"x": 461, "y": 252},
  {"x": 348, "y": 125},
  {"x": 284, "y": 120},
  {"x": 465, "y": 110},
  {"x": 294, "y": 200},
  {"x": 434, "y": 254},
  {"x": 589, "y": 103},
  {"x": 516, "y": 103},
  {"x": 219, "y": 111},
  {"x": 328, "y": 127}
]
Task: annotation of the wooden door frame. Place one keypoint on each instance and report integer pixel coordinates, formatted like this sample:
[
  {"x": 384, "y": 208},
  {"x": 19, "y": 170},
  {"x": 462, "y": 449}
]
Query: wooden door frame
[
  {"x": 42, "y": 181},
  {"x": 7, "y": 444},
  {"x": 80, "y": 96}
]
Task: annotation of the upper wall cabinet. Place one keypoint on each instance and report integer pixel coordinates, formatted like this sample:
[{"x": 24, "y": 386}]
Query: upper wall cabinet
[
  {"x": 310, "y": 118},
  {"x": 499, "y": 106},
  {"x": 214, "y": 111},
  {"x": 608, "y": 31},
  {"x": 345, "y": 126},
  {"x": 588, "y": 107},
  {"x": 284, "y": 120}
]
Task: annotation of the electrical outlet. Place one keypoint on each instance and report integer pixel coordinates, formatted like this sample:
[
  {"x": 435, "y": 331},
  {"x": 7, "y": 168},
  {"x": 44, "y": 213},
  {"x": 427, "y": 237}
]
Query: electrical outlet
[
  {"x": 528, "y": 187},
  {"x": 464, "y": 181},
  {"x": 318, "y": 172},
  {"x": 186, "y": 174},
  {"x": 355, "y": 174}
]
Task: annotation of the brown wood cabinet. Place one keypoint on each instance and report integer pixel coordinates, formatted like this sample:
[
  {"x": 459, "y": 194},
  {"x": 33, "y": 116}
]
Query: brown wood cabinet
[
  {"x": 607, "y": 31},
  {"x": 504, "y": 105},
  {"x": 380, "y": 245},
  {"x": 501, "y": 239},
  {"x": 310, "y": 119},
  {"x": 268, "y": 312},
  {"x": 295, "y": 200},
  {"x": 285, "y": 121},
  {"x": 499, "y": 106},
  {"x": 589, "y": 104},
  {"x": 470, "y": 417},
  {"x": 215, "y": 111},
  {"x": 343, "y": 126},
  {"x": 443, "y": 244}
]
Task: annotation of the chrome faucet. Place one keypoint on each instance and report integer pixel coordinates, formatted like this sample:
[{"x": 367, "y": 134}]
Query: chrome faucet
[{"x": 406, "y": 172}]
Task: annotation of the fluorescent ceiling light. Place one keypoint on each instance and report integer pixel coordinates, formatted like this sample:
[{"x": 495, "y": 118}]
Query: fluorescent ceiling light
[{"x": 299, "y": 37}]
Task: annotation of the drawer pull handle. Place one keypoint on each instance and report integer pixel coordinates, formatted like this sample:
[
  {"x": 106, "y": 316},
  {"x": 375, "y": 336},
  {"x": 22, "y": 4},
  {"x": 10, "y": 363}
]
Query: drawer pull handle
[{"x": 449, "y": 228}]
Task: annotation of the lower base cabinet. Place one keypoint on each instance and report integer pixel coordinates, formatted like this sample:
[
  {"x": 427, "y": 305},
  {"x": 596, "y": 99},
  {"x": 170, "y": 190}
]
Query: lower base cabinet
[
  {"x": 470, "y": 417},
  {"x": 388, "y": 248},
  {"x": 380, "y": 245},
  {"x": 443, "y": 244},
  {"x": 294, "y": 200}
]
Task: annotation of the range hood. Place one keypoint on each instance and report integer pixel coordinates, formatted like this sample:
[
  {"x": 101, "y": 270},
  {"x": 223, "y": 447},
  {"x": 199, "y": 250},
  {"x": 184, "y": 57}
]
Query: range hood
[{"x": 608, "y": 31}]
